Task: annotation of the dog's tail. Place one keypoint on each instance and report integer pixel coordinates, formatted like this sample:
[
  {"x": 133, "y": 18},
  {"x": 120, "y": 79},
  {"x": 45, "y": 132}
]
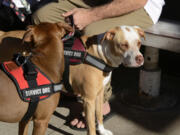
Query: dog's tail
[{"x": 1, "y": 33}]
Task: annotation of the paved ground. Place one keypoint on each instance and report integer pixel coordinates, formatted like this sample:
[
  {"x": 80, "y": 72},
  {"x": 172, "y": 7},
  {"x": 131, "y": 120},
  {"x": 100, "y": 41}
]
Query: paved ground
[{"x": 128, "y": 120}]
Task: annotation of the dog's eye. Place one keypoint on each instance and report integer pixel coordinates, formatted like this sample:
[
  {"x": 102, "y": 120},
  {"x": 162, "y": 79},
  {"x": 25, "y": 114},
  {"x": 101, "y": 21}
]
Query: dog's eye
[{"x": 125, "y": 46}]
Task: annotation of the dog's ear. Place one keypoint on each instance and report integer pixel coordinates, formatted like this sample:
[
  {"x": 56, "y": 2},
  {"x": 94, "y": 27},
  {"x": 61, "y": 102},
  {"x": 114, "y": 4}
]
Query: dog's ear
[
  {"x": 140, "y": 31},
  {"x": 64, "y": 28},
  {"x": 109, "y": 35},
  {"x": 28, "y": 34},
  {"x": 1, "y": 33}
]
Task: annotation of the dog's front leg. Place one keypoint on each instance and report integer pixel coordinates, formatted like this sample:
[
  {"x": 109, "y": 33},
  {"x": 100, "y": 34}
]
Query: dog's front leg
[
  {"x": 99, "y": 115},
  {"x": 40, "y": 127},
  {"x": 23, "y": 127},
  {"x": 89, "y": 109}
]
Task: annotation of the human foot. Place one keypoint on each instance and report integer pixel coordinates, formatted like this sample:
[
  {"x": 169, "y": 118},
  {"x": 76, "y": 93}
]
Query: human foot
[{"x": 79, "y": 122}]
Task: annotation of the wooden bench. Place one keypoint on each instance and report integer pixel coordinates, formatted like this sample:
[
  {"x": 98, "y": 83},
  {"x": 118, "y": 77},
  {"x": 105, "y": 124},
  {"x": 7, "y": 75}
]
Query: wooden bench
[{"x": 164, "y": 35}]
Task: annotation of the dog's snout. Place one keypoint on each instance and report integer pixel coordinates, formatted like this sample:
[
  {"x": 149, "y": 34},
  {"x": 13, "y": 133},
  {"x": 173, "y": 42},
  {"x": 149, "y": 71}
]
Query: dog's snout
[{"x": 139, "y": 59}]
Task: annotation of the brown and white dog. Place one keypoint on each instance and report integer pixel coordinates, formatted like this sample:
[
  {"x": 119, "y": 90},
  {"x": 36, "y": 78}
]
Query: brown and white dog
[
  {"x": 119, "y": 46},
  {"x": 47, "y": 55}
]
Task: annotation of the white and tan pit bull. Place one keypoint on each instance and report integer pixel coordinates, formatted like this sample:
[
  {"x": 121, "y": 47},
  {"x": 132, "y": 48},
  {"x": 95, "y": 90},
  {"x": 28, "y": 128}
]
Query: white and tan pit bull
[{"x": 118, "y": 46}]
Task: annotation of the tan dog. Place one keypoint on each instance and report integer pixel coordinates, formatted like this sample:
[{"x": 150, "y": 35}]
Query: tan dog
[
  {"x": 119, "y": 45},
  {"x": 47, "y": 54}
]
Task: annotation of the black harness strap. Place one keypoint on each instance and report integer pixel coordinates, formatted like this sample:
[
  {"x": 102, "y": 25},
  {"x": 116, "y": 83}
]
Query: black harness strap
[
  {"x": 98, "y": 63},
  {"x": 31, "y": 110},
  {"x": 30, "y": 75},
  {"x": 68, "y": 41},
  {"x": 66, "y": 75},
  {"x": 86, "y": 58},
  {"x": 74, "y": 54}
]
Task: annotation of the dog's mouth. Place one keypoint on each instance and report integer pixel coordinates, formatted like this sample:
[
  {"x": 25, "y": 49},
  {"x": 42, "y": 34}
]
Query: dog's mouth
[
  {"x": 131, "y": 66},
  {"x": 130, "y": 61}
]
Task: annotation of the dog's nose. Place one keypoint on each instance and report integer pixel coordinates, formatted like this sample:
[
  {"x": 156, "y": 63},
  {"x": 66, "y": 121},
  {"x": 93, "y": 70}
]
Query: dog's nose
[{"x": 139, "y": 59}]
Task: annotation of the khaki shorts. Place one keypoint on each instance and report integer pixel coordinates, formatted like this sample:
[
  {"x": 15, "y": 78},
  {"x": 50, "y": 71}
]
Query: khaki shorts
[{"x": 52, "y": 12}]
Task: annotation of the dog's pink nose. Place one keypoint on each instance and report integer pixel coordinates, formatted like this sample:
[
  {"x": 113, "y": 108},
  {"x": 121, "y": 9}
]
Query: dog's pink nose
[{"x": 139, "y": 59}]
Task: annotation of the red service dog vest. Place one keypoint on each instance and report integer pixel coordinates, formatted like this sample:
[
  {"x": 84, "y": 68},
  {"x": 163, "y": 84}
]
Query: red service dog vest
[{"x": 44, "y": 86}]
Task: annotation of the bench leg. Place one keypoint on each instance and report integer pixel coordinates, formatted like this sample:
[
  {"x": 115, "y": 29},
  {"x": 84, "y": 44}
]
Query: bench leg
[
  {"x": 150, "y": 75},
  {"x": 148, "y": 96}
]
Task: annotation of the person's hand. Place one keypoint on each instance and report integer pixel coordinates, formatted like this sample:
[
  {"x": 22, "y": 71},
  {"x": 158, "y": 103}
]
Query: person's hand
[{"x": 81, "y": 17}]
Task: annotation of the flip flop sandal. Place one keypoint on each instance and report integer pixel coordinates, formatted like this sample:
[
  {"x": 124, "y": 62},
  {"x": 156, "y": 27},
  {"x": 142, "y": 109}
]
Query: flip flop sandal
[
  {"x": 105, "y": 118},
  {"x": 108, "y": 116},
  {"x": 80, "y": 118}
]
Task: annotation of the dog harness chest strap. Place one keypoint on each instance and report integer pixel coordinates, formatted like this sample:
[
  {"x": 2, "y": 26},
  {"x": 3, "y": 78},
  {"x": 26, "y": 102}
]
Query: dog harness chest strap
[{"x": 30, "y": 75}]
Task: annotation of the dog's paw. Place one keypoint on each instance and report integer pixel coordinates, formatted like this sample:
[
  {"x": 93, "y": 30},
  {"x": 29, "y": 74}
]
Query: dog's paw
[
  {"x": 106, "y": 132},
  {"x": 103, "y": 131}
]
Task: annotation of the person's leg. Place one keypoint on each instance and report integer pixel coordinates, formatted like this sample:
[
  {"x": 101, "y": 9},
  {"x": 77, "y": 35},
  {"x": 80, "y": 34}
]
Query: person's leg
[
  {"x": 139, "y": 18},
  {"x": 52, "y": 12},
  {"x": 107, "y": 96}
]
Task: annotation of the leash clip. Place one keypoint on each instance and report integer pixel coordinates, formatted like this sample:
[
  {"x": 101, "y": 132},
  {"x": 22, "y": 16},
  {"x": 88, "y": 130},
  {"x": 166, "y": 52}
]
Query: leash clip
[{"x": 19, "y": 59}]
